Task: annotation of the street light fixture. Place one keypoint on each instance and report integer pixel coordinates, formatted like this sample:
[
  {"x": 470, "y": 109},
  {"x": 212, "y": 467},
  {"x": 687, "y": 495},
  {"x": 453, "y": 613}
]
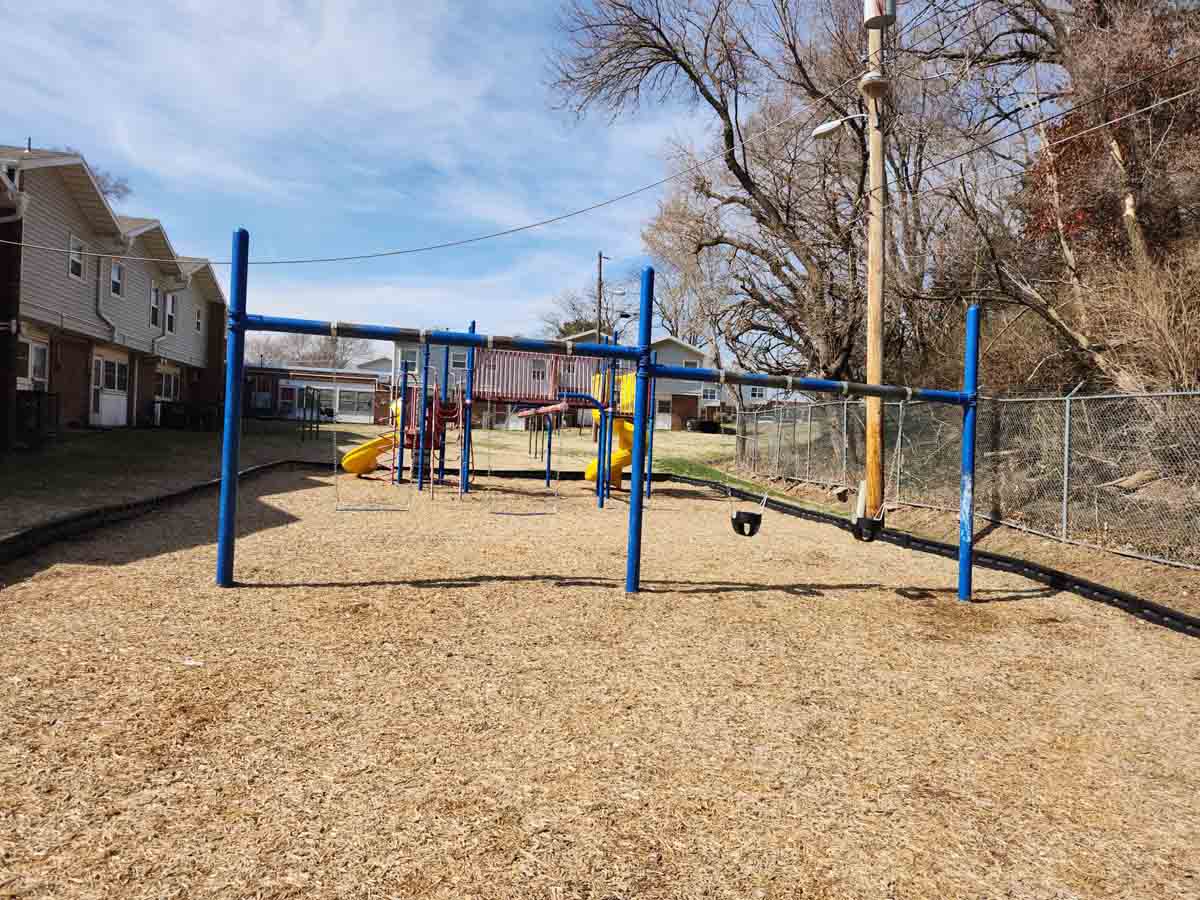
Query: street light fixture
[{"x": 829, "y": 129}]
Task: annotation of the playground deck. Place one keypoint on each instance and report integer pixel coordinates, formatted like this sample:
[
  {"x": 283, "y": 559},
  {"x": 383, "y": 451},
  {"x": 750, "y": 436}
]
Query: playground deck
[{"x": 452, "y": 703}]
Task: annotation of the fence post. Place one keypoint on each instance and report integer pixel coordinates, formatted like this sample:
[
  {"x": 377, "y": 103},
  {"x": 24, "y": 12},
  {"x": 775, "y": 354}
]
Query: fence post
[
  {"x": 845, "y": 441},
  {"x": 778, "y": 441},
  {"x": 1066, "y": 465},
  {"x": 808, "y": 460}
]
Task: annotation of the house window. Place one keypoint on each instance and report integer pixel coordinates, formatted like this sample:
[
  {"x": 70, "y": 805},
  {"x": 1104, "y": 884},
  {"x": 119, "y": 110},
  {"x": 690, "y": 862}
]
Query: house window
[
  {"x": 326, "y": 400},
  {"x": 167, "y": 385},
  {"x": 197, "y": 321},
  {"x": 110, "y": 375},
  {"x": 116, "y": 279},
  {"x": 122, "y": 376},
  {"x": 538, "y": 370},
  {"x": 170, "y": 313},
  {"x": 458, "y": 359},
  {"x": 758, "y": 393},
  {"x": 355, "y": 402},
  {"x": 691, "y": 364},
  {"x": 663, "y": 407},
  {"x": 75, "y": 257},
  {"x": 155, "y": 306},
  {"x": 33, "y": 363},
  {"x": 410, "y": 357},
  {"x": 710, "y": 393}
]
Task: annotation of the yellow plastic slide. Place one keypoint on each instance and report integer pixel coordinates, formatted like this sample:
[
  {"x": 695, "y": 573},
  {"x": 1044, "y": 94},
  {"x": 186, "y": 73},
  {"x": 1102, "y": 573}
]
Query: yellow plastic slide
[
  {"x": 622, "y": 455},
  {"x": 362, "y": 459}
]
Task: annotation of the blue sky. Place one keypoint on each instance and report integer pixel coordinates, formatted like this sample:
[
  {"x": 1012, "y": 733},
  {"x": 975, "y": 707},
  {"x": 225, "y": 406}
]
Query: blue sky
[{"x": 341, "y": 127}]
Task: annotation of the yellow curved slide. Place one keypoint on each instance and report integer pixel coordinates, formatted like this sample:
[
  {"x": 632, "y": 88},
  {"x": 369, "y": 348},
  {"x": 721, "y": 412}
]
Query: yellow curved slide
[
  {"x": 362, "y": 459},
  {"x": 621, "y": 456}
]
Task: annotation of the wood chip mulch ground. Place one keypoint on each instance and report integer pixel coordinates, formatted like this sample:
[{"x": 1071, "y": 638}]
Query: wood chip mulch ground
[{"x": 458, "y": 700}]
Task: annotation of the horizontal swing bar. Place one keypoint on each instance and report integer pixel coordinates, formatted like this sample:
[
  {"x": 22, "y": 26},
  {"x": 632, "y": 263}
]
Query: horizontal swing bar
[
  {"x": 604, "y": 351},
  {"x": 435, "y": 336},
  {"x": 817, "y": 385}
]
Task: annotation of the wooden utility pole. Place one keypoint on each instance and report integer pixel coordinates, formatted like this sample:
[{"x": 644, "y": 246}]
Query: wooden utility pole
[
  {"x": 874, "y": 86},
  {"x": 600, "y": 257}
]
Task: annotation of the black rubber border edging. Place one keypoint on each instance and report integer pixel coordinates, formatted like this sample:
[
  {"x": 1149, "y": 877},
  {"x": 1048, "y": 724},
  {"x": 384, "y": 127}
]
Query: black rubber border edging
[
  {"x": 77, "y": 524},
  {"x": 36, "y": 538},
  {"x": 1148, "y": 610}
]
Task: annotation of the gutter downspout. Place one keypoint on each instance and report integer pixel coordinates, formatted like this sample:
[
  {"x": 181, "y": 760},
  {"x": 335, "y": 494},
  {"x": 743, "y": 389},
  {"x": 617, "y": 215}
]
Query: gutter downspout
[{"x": 100, "y": 302}]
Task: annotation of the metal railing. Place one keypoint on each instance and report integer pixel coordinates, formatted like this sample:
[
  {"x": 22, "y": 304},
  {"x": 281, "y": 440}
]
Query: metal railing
[{"x": 1119, "y": 472}]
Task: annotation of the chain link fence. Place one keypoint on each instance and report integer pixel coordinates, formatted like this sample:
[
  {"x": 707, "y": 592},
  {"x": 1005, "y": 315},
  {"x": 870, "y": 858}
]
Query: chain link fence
[{"x": 1118, "y": 472}]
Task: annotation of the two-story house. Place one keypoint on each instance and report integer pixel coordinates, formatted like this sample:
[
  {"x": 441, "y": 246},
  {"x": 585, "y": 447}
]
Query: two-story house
[{"x": 109, "y": 317}]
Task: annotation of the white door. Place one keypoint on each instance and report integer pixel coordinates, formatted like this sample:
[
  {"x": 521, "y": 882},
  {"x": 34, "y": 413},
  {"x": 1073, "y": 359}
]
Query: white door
[
  {"x": 662, "y": 414},
  {"x": 110, "y": 389}
]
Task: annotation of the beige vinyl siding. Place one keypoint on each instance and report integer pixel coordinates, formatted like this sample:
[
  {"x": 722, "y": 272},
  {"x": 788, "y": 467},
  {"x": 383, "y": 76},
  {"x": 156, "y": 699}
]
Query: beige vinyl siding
[
  {"x": 131, "y": 312},
  {"x": 186, "y": 345},
  {"x": 670, "y": 354},
  {"x": 48, "y": 292}
]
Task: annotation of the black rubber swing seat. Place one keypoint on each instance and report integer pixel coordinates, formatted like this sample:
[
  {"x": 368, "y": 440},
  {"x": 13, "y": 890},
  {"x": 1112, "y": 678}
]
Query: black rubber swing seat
[{"x": 746, "y": 523}]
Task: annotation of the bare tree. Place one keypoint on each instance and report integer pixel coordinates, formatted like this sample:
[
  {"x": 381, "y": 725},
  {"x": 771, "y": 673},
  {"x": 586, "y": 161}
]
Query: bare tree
[
  {"x": 784, "y": 217},
  {"x": 115, "y": 187},
  {"x": 572, "y": 311},
  {"x": 306, "y": 350}
]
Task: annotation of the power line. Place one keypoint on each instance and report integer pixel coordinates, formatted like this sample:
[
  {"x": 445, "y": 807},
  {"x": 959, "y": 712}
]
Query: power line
[{"x": 462, "y": 242}]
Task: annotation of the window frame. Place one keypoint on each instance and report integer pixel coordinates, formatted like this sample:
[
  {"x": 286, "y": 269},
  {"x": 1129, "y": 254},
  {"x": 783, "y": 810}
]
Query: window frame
[
  {"x": 658, "y": 406},
  {"x": 454, "y": 355},
  {"x": 114, "y": 266},
  {"x": 199, "y": 317},
  {"x": 707, "y": 390},
  {"x": 539, "y": 370},
  {"x": 691, "y": 364},
  {"x": 758, "y": 392},
  {"x": 76, "y": 255},
  {"x": 172, "y": 309},
  {"x": 109, "y": 367},
  {"x": 155, "y": 305}
]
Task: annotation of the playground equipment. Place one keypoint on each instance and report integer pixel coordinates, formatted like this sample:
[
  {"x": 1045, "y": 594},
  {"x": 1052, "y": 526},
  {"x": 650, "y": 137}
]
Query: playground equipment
[
  {"x": 617, "y": 419},
  {"x": 240, "y": 322},
  {"x": 364, "y": 458}
]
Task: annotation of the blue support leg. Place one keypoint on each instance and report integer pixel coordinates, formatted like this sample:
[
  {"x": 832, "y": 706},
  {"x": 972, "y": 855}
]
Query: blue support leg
[
  {"x": 651, "y": 418},
  {"x": 464, "y": 467},
  {"x": 549, "y": 444},
  {"x": 443, "y": 396},
  {"x": 633, "y": 555},
  {"x": 424, "y": 420},
  {"x": 966, "y": 503},
  {"x": 614, "y": 406},
  {"x": 235, "y": 351},
  {"x": 399, "y": 474}
]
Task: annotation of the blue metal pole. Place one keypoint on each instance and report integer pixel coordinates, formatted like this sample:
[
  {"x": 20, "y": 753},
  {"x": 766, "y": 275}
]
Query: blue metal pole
[
  {"x": 614, "y": 406},
  {"x": 633, "y": 555},
  {"x": 653, "y": 418},
  {"x": 600, "y": 454},
  {"x": 443, "y": 395},
  {"x": 600, "y": 457},
  {"x": 403, "y": 417},
  {"x": 966, "y": 503},
  {"x": 468, "y": 410},
  {"x": 235, "y": 351},
  {"x": 424, "y": 418},
  {"x": 549, "y": 444}
]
